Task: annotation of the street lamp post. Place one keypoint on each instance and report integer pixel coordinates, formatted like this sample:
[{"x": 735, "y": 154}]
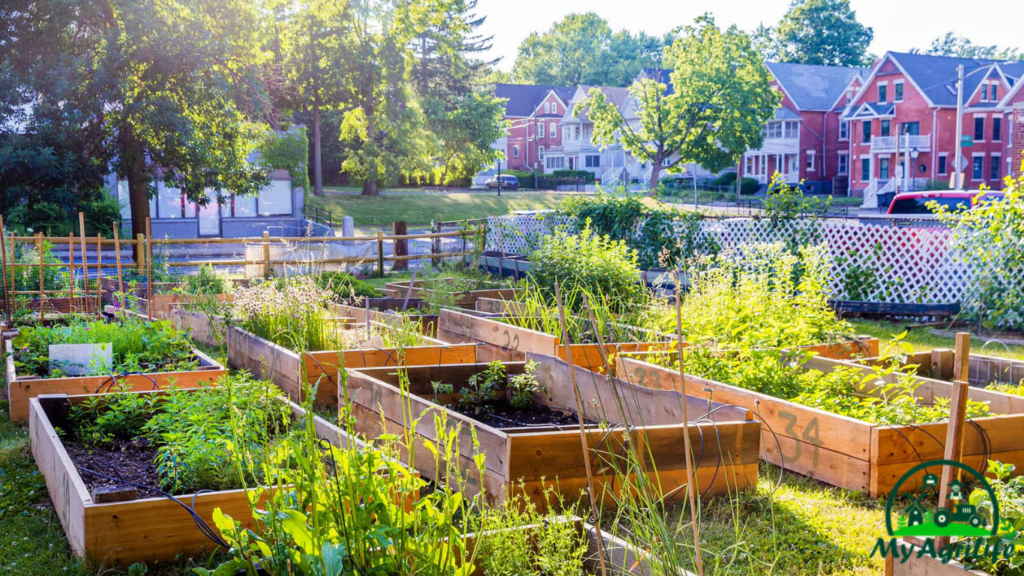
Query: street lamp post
[{"x": 914, "y": 153}]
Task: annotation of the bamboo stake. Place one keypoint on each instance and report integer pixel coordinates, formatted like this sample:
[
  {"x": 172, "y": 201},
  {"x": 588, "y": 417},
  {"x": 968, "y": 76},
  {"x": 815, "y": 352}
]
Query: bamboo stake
[
  {"x": 583, "y": 433},
  {"x": 149, "y": 270},
  {"x": 99, "y": 274},
  {"x": 71, "y": 265},
  {"x": 117, "y": 253},
  {"x": 14, "y": 284},
  {"x": 85, "y": 258},
  {"x": 3, "y": 270},
  {"x": 42, "y": 291},
  {"x": 690, "y": 480}
]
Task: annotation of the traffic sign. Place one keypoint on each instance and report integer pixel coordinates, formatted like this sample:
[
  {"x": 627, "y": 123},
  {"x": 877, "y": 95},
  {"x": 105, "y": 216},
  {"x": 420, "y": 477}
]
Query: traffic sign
[{"x": 966, "y": 141}]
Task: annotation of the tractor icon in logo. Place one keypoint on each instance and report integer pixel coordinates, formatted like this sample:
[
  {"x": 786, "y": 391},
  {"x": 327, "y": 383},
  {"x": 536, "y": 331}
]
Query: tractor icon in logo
[{"x": 922, "y": 517}]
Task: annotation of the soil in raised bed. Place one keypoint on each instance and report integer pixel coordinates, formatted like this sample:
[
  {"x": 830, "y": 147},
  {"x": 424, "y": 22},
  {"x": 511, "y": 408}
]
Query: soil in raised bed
[
  {"x": 504, "y": 416},
  {"x": 130, "y": 460}
]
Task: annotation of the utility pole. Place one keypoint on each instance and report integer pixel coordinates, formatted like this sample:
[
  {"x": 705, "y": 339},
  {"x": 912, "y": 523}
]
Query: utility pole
[{"x": 957, "y": 182}]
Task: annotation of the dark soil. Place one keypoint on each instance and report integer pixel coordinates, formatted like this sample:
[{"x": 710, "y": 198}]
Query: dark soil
[
  {"x": 505, "y": 416},
  {"x": 131, "y": 460}
]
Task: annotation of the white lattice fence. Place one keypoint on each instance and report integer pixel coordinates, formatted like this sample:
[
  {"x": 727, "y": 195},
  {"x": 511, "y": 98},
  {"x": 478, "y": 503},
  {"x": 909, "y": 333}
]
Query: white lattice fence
[{"x": 869, "y": 262}]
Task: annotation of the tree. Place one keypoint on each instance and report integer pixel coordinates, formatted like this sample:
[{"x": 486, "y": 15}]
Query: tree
[
  {"x": 961, "y": 47},
  {"x": 823, "y": 32},
  {"x": 165, "y": 85},
  {"x": 564, "y": 55},
  {"x": 721, "y": 99}
]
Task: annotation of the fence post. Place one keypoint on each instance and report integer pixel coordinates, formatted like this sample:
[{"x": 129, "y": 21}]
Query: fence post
[
  {"x": 71, "y": 266},
  {"x": 401, "y": 246},
  {"x": 149, "y": 270},
  {"x": 266, "y": 254},
  {"x": 42, "y": 280},
  {"x": 3, "y": 263},
  {"x": 85, "y": 258},
  {"x": 435, "y": 243},
  {"x": 99, "y": 274},
  {"x": 380, "y": 254},
  {"x": 117, "y": 252},
  {"x": 140, "y": 244}
]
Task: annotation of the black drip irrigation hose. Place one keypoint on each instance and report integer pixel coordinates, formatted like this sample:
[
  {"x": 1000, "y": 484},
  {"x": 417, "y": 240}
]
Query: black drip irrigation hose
[{"x": 112, "y": 381}]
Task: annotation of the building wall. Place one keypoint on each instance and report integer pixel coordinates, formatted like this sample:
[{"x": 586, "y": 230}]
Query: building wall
[
  {"x": 524, "y": 134},
  {"x": 1018, "y": 139}
]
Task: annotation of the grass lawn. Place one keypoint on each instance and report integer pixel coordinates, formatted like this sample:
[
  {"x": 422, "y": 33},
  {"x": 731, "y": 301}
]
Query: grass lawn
[
  {"x": 421, "y": 209},
  {"x": 922, "y": 339}
]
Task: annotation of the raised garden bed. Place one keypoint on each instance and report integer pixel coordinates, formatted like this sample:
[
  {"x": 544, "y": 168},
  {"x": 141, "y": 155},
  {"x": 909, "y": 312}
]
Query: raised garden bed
[
  {"x": 385, "y": 309},
  {"x": 847, "y": 452},
  {"x": 433, "y": 290},
  {"x": 286, "y": 367},
  {"x": 552, "y": 456},
  {"x": 141, "y": 529},
  {"x": 22, "y": 387},
  {"x": 507, "y": 342},
  {"x": 163, "y": 304},
  {"x": 982, "y": 370}
]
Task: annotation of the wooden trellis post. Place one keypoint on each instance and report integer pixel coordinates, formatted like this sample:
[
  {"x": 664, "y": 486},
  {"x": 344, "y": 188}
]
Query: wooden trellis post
[
  {"x": 42, "y": 277},
  {"x": 85, "y": 258},
  {"x": 117, "y": 254},
  {"x": 71, "y": 266},
  {"x": 3, "y": 278}
]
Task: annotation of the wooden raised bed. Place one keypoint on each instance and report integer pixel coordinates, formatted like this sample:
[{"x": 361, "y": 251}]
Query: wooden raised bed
[
  {"x": 851, "y": 453},
  {"x": 201, "y": 327},
  {"x": 142, "y": 530},
  {"x": 982, "y": 370},
  {"x": 384, "y": 310},
  {"x": 467, "y": 299},
  {"x": 20, "y": 389},
  {"x": 553, "y": 457},
  {"x": 927, "y": 566},
  {"x": 285, "y": 367},
  {"x": 510, "y": 343},
  {"x": 164, "y": 303}
]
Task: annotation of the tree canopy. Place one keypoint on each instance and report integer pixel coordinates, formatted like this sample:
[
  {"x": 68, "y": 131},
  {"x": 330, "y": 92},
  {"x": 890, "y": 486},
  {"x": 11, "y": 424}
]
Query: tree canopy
[
  {"x": 582, "y": 49},
  {"x": 823, "y": 32},
  {"x": 961, "y": 47},
  {"x": 721, "y": 98}
]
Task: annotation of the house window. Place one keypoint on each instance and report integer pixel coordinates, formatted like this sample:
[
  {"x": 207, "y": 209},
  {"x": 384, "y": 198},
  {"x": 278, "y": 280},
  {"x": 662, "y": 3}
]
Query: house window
[
  {"x": 942, "y": 163},
  {"x": 984, "y": 93},
  {"x": 275, "y": 199},
  {"x": 995, "y": 168},
  {"x": 540, "y": 153},
  {"x": 554, "y": 108},
  {"x": 865, "y": 131},
  {"x": 749, "y": 165},
  {"x": 547, "y": 107},
  {"x": 170, "y": 202},
  {"x": 849, "y": 95},
  {"x": 774, "y": 130},
  {"x": 515, "y": 150},
  {"x": 810, "y": 159},
  {"x": 883, "y": 168},
  {"x": 844, "y": 129},
  {"x": 911, "y": 128},
  {"x": 885, "y": 127},
  {"x": 552, "y": 130},
  {"x": 555, "y": 162},
  {"x": 843, "y": 163},
  {"x": 540, "y": 130},
  {"x": 898, "y": 90},
  {"x": 244, "y": 206},
  {"x": 997, "y": 129},
  {"x": 979, "y": 128},
  {"x": 883, "y": 90},
  {"x": 978, "y": 160},
  {"x": 792, "y": 129},
  {"x": 995, "y": 93},
  {"x": 865, "y": 169},
  {"x": 592, "y": 161}
]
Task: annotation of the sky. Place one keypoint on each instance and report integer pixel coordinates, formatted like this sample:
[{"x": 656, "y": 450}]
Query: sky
[{"x": 899, "y": 25}]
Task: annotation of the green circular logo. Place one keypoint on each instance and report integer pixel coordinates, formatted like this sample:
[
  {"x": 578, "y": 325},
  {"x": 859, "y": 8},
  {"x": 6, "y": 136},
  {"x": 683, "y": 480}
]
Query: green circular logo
[{"x": 957, "y": 518}]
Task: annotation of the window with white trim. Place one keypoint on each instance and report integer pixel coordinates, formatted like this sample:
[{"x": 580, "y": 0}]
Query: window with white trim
[
  {"x": 883, "y": 92},
  {"x": 540, "y": 130},
  {"x": 552, "y": 130},
  {"x": 897, "y": 88},
  {"x": 996, "y": 161},
  {"x": 995, "y": 92},
  {"x": 844, "y": 130},
  {"x": 554, "y": 107},
  {"x": 275, "y": 199},
  {"x": 555, "y": 162},
  {"x": 792, "y": 129},
  {"x": 593, "y": 161},
  {"x": 943, "y": 163},
  {"x": 844, "y": 163},
  {"x": 515, "y": 150},
  {"x": 810, "y": 160},
  {"x": 540, "y": 153},
  {"x": 547, "y": 108}
]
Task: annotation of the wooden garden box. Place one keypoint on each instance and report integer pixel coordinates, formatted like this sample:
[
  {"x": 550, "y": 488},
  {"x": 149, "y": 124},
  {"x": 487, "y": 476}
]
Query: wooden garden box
[
  {"x": 384, "y": 310},
  {"x": 467, "y": 299},
  {"x": 982, "y": 369},
  {"x": 927, "y": 566},
  {"x": 285, "y": 367},
  {"x": 847, "y": 452},
  {"x": 20, "y": 388},
  {"x": 202, "y": 328},
  {"x": 530, "y": 454},
  {"x": 507, "y": 342},
  {"x": 163, "y": 304},
  {"x": 142, "y": 530}
]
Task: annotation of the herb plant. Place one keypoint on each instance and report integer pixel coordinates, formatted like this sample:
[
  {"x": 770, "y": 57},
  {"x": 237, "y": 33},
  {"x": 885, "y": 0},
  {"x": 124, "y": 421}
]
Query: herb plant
[
  {"x": 522, "y": 387},
  {"x": 482, "y": 388}
]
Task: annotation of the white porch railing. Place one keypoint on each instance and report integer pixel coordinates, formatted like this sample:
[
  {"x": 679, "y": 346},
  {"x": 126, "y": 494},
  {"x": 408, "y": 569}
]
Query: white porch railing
[{"x": 907, "y": 142}]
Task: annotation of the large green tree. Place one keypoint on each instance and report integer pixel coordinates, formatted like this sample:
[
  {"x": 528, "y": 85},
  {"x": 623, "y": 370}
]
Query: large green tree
[
  {"x": 721, "y": 99},
  {"x": 824, "y": 32},
  {"x": 961, "y": 47},
  {"x": 167, "y": 85},
  {"x": 582, "y": 49}
]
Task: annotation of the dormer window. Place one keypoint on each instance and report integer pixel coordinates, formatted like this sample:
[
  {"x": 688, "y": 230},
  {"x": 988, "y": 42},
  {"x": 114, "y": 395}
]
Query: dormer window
[
  {"x": 547, "y": 107},
  {"x": 898, "y": 91},
  {"x": 995, "y": 93},
  {"x": 883, "y": 90}
]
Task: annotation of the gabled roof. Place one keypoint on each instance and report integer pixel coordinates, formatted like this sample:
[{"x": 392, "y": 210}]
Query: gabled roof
[
  {"x": 812, "y": 87},
  {"x": 615, "y": 95},
  {"x": 523, "y": 99},
  {"x": 660, "y": 75},
  {"x": 870, "y": 110},
  {"x": 935, "y": 76}
]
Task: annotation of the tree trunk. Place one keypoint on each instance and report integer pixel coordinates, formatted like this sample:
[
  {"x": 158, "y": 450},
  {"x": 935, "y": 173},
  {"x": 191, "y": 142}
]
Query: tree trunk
[
  {"x": 138, "y": 183},
  {"x": 652, "y": 186},
  {"x": 318, "y": 172},
  {"x": 370, "y": 185}
]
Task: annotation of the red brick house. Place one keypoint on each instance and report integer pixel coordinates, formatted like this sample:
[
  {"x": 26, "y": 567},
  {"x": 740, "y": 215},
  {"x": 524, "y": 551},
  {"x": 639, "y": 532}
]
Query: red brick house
[
  {"x": 534, "y": 114},
  {"x": 806, "y": 141},
  {"x": 902, "y": 124}
]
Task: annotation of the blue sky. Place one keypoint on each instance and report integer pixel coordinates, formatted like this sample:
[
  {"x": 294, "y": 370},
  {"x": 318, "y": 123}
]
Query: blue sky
[{"x": 899, "y": 25}]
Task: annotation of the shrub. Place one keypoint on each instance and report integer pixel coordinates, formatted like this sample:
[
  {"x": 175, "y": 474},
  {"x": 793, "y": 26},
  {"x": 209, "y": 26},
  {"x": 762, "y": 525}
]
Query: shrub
[
  {"x": 526, "y": 178},
  {"x": 586, "y": 175},
  {"x": 724, "y": 179},
  {"x": 749, "y": 186},
  {"x": 344, "y": 285},
  {"x": 590, "y": 262}
]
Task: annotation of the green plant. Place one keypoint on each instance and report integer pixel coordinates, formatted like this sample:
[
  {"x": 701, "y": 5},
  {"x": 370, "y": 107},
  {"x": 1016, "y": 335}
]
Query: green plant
[
  {"x": 589, "y": 262},
  {"x": 205, "y": 282},
  {"x": 522, "y": 387},
  {"x": 1009, "y": 493},
  {"x": 482, "y": 388},
  {"x": 287, "y": 151},
  {"x": 344, "y": 285},
  {"x": 1007, "y": 388},
  {"x": 518, "y": 540}
]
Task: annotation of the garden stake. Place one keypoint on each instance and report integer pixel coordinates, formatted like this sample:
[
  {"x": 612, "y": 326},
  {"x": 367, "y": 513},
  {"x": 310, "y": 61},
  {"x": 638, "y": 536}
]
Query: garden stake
[
  {"x": 117, "y": 253},
  {"x": 408, "y": 293},
  {"x": 149, "y": 270},
  {"x": 583, "y": 434},
  {"x": 42, "y": 292},
  {"x": 3, "y": 271},
  {"x": 686, "y": 421},
  {"x": 71, "y": 266},
  {"x": 85, "y": 257},
  {"x": 99, "y": 274},
  {"x": 957, "y": 419}
]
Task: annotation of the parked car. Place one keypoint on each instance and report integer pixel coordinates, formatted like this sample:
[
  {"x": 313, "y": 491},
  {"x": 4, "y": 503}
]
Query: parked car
[
  {"x": 508, "y": 182},
  {"x": 916, "y": 203}
]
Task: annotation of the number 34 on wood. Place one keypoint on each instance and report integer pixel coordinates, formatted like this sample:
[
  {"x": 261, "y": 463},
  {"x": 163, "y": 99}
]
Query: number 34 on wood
[{"x": 809, "y": 435}]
